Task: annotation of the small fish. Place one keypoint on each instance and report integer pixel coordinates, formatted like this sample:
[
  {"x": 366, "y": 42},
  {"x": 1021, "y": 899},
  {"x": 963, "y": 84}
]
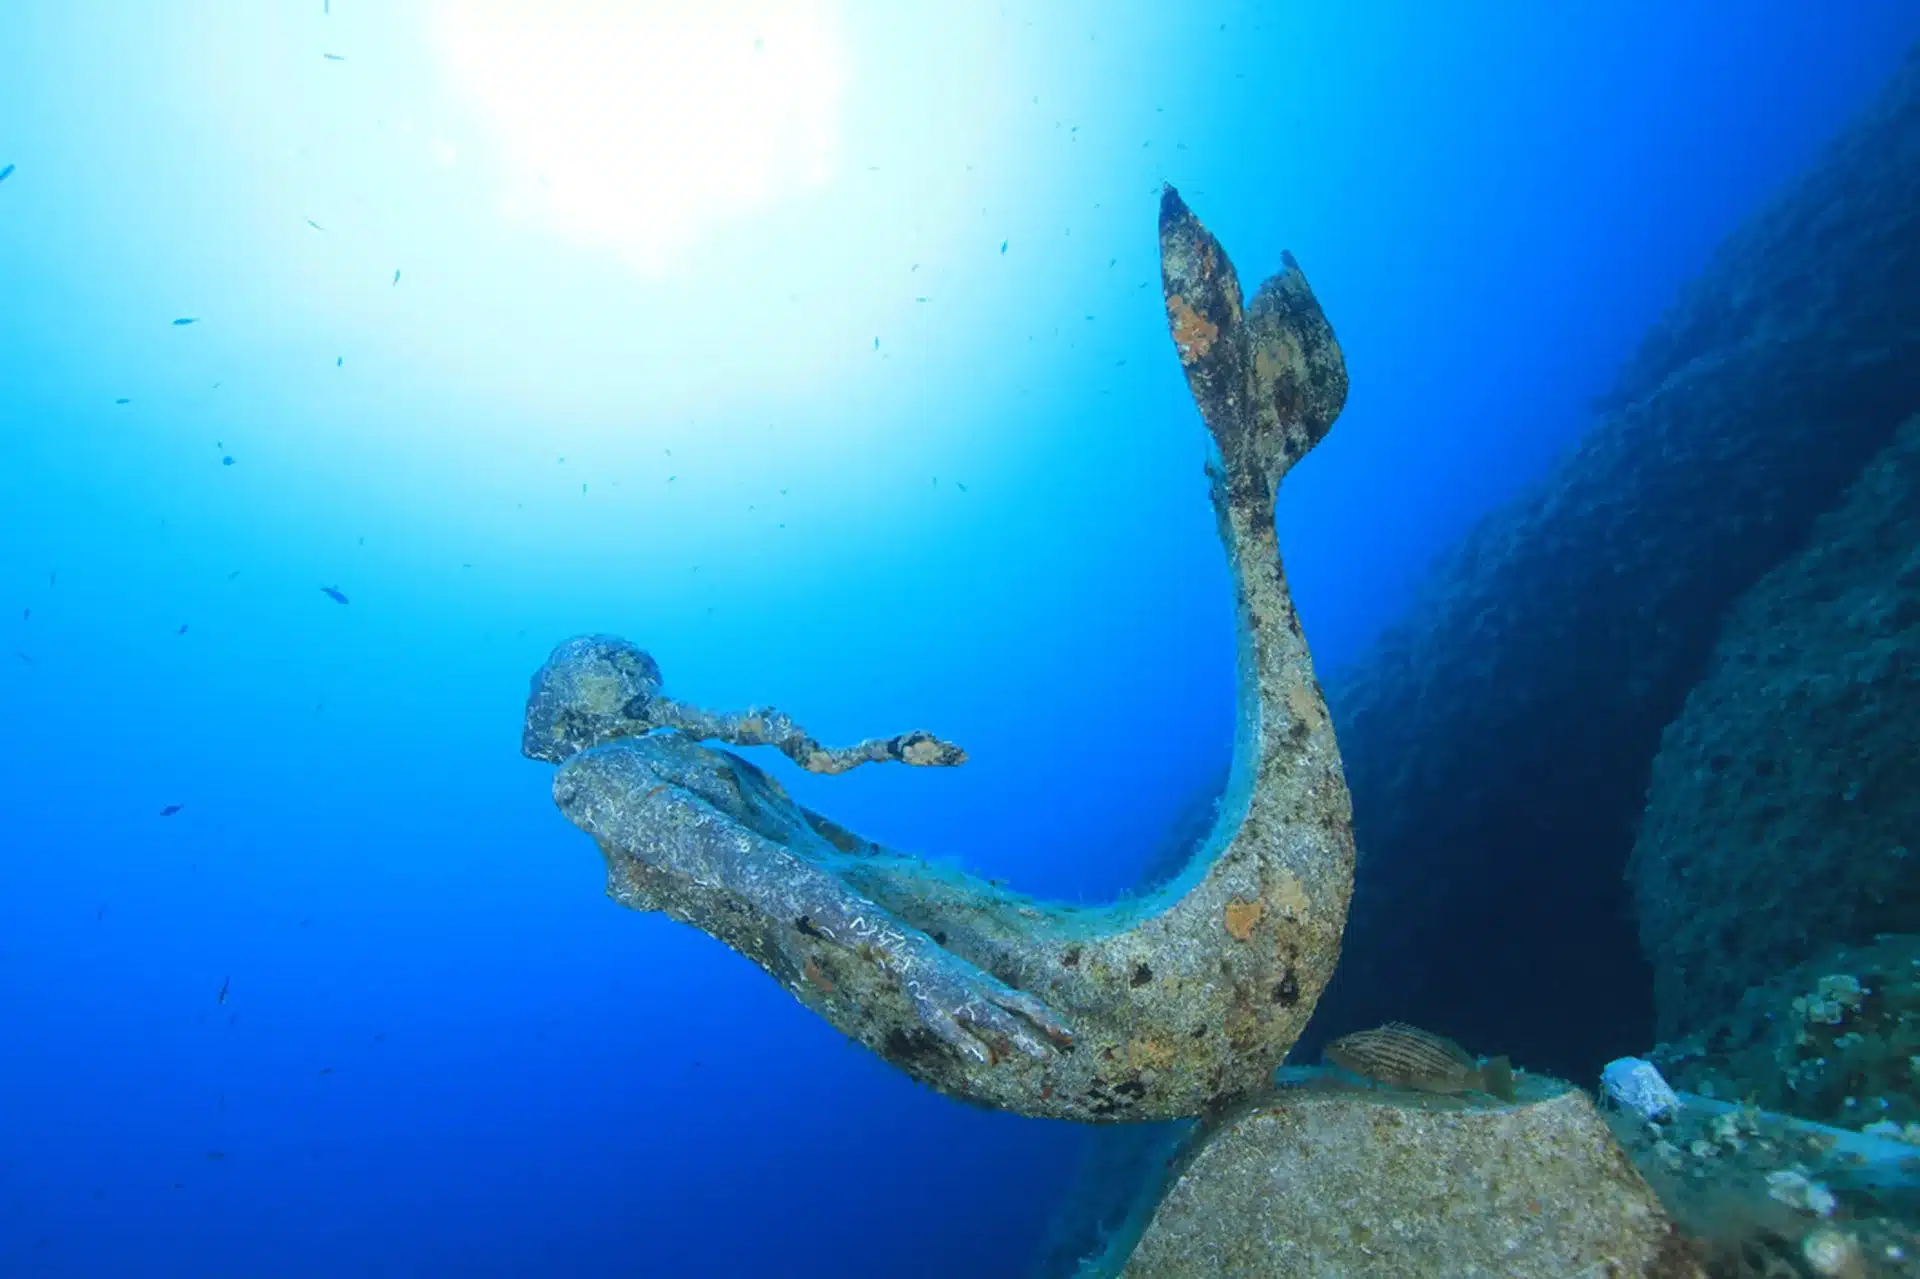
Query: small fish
[
  {"x": 334, "y": 57},
  {"x": 182, "y": 630},
  {"x": 338, "y": 360},
  {"x": 185, "y": 320},
  {"x": 227, "y": 460},
  {"x": 26, "y": 614},
  {"x": 957, "y": 484},
  {"x": 396, "y": 275},
  {"x": 326, "y": 1070},
  {"x": 1003, "y": 248},
  {"x": 225, "y": 986},
  {"x": 123, "y": 400},
  {"x": 1403, "y": 1056},
  {"x": 315, "y": 225},
  {"x": 333, "y": 593},
  {"x": 23, "y": 657},
  {"x": 6, "y": 173},
  {"x": 216, "y": 1155},
  {"x": 171, "y": 809}
]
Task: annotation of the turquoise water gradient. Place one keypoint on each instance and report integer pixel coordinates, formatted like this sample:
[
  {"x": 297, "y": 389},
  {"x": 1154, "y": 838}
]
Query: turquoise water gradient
[{"x": 442, "y": 1051}]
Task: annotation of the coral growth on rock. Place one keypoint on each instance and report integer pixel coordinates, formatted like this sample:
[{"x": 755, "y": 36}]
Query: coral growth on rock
[{"x": 1835, "y": 1040}]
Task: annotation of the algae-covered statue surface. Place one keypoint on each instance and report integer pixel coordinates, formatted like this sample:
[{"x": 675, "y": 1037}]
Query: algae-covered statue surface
[{"x": 1151, "y": 1008}]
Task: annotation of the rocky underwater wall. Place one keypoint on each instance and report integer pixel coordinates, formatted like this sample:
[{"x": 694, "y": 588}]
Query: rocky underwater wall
[
  {"x": 1499, "y": 740},
  {"x": 1783, "y": 817}
]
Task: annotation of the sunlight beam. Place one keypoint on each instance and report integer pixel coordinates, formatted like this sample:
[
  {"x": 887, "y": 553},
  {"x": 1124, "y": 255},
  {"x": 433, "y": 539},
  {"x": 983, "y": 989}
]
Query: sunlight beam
[{"x": 636, "y": 126}]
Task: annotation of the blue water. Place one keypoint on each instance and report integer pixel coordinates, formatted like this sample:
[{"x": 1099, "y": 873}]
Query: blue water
[{"x": 515, "y": 333}]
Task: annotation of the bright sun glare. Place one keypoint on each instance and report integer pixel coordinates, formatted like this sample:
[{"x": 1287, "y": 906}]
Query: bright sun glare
[{"x": 637, "y": 125}]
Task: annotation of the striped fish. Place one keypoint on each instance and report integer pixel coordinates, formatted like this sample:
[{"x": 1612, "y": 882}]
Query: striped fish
[{"x": 1404, "y": 1056}]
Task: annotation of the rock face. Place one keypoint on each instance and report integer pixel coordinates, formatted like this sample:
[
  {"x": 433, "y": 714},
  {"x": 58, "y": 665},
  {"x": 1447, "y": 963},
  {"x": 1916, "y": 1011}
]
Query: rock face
[
  {"x": 1498, "y": 741},
  {"x": 1783, "y": 817},
  {"x": 1359, "y": 1185}
]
